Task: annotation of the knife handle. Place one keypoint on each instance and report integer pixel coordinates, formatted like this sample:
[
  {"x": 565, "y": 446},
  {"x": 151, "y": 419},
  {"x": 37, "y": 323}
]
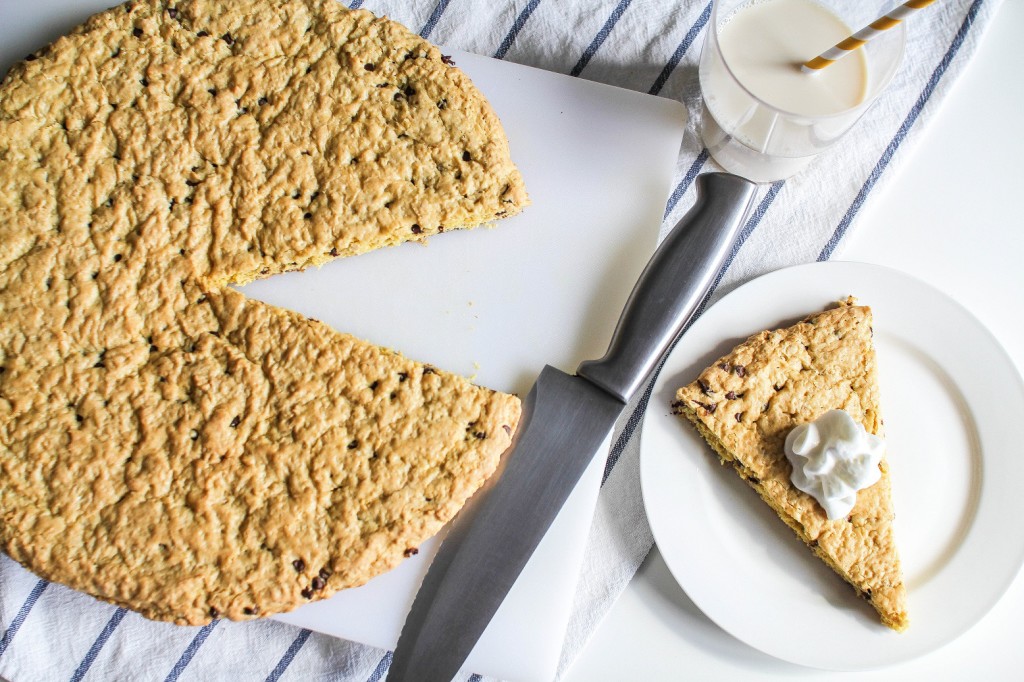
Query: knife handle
[{"x": 672, "y": 284}]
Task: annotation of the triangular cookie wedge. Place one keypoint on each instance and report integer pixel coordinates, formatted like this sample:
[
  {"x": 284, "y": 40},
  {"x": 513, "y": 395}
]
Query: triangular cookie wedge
[{"x": 746, "y": 403}]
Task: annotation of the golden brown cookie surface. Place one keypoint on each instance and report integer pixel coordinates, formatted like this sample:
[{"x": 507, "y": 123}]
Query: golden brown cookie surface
[
  {"x": 166, "y": 444},
  {"x": 746, "y": 403}
]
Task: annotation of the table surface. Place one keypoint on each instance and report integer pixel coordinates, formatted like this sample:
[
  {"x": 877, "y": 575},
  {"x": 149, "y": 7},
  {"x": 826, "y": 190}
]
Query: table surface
[{"x": 947, "y": 216}]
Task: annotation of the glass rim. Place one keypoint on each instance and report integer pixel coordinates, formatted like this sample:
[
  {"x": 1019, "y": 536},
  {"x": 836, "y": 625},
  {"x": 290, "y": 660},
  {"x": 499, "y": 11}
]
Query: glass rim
[{"x": 899, "y": 30}]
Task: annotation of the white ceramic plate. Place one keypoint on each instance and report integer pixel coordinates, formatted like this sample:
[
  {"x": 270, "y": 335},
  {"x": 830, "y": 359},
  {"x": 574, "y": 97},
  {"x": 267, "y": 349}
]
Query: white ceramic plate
[{"x": 953, "y": 404}]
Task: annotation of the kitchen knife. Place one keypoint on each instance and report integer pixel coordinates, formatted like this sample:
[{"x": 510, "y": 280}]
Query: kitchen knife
[{"x": 565, "y": 420}]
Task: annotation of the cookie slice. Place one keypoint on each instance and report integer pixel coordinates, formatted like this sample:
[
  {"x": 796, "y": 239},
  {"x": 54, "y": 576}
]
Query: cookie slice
[{"x": 746, "y": 403}]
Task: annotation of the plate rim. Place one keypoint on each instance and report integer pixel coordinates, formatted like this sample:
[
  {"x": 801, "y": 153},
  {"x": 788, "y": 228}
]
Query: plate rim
[{"x": 839, "y": 272}]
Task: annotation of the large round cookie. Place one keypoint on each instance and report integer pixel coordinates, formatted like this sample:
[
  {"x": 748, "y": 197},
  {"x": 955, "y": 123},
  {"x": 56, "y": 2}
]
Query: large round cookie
[{"x": 166, "y": 444}]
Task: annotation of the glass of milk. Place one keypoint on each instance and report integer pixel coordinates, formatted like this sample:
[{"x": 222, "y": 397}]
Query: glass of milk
[{"x": 765, "y": 119}]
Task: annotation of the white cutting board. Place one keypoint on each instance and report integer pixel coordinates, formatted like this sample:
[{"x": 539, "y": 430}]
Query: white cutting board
[{"x": 544, "y": 287}]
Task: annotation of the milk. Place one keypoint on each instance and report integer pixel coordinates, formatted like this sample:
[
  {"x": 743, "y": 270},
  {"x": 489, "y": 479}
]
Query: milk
[{"x": 763, "y": 117}]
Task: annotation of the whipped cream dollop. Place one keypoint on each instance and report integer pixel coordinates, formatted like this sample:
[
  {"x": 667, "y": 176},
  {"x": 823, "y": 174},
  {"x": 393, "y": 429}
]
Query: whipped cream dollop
[{"x": 833, "y": 457}]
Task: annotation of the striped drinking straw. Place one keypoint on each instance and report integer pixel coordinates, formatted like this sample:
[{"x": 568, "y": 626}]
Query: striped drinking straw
[{"x": 882, "y": 23}]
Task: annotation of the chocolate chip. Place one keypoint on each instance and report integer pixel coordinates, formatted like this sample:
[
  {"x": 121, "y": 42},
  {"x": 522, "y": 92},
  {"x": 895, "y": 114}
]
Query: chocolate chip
[
  {"x": 466, "y": 156},
  {"x": 731, "y": 395},
  {"x": 479, "y": 435},
  {"x": 318, "y": 583},
  {"x": 194, "y": 435},
  {"x": 416, "y": 229},
  {"x": 172, "y": 12},
  {"x": 325, "y": 573},
  {"x": 248, "y": 610},
  {"x": 334, "y": 252},
  {"x": 307, "y": 593},
  {"x": 739, "y": 416},
  {"x": 79, "y": 418},
  {"x": 402, "y": 376},
  {"x": 307, "y": 216},
  {"x": 299, "y": 565},
  {"x": 374, "y": 385},
  {"x": 704, "y": 388},
  {"x": 137, "y": 32},
  {"x": 353, "y": 445},
  {"x": 212, "y": 91},
  {"x": 740, "y": 370},
  {"x": 31, "y": 58},
  {"x": 429, "y": 370},
  {"x": 447, "y": 60},
  {"x": 409, "y": 91},
  {"x": 370, "y": 67},
  {"x": 709, "y": 407},
  {"x": 145, "y": 82},
  {"x": 202, "y": 34},
  {"x": 214, "y": 612},
  {"x": 442, "y": 104},
  {"x": 261, "y": 101},
  {"x": 153, "y": 349},
  {"x": 235, "y": 422},
  {"x": 398, "y": 96},
  {"x": 2, "y": 370},
  {"x": 228, "y": 39},
  {"x": 411, "y": 551},
  {"x": 508, "y": 429},
  {"x": 117, "y": 257}
]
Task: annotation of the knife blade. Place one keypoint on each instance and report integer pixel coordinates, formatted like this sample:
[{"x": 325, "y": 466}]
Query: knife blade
[{"x": 565, "y": 420}]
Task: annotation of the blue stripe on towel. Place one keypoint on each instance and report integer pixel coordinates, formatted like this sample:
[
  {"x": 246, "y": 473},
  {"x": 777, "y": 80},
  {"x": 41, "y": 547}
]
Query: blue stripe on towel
[
  {"x": 382, "y": 668},
  {"x": 517, "y": 26},
  {"x": 638, "y": 414},
  {"x": 289, "y": 655},
  {"x": 599, "y": 39},
  {"x": 901, "y": 134},
  {"x": 190, "y": 651},
  {"x": 356, "y": 4},
  {"x": 442, "y": 5},
  {"x": 685, "y": 183},
  {"x": 22, "y": 614},
  {"x": 97, "y": 646},
  {"x": 684, "y": 45}
]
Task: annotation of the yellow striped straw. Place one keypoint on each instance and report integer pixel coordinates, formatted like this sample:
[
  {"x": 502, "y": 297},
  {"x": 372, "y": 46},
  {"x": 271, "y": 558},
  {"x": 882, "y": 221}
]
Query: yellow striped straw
[{"x": 882, "y": 23}]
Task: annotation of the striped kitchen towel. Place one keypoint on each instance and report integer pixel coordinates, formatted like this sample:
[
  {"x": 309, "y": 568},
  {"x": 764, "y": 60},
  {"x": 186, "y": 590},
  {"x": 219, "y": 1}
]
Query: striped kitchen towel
[{"x": 52, "y": 633}]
